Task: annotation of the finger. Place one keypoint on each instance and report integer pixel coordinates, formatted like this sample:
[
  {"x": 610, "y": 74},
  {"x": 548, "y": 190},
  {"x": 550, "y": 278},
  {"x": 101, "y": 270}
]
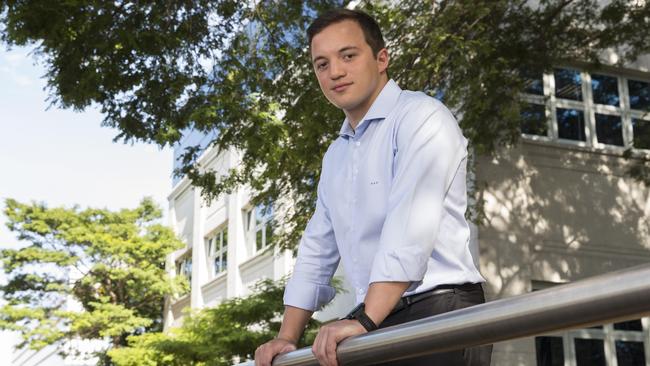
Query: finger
[
  {"x": 319, "y": 346},
  {"x": 326, "y": 349},
  {"x": 314, "y": 346},
  {"x": 258, "y": 357},
  {"x": 330, "y": 351},
  {"x": 263, "y": 356}
]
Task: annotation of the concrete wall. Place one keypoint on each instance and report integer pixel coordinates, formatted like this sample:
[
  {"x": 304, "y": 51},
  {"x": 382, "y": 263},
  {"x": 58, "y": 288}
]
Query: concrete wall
[{"x": 557, "y": 213}]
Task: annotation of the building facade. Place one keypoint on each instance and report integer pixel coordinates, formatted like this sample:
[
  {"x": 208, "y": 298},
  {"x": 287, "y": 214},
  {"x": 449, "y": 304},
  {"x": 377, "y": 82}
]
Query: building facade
[
  {"x": 559, "y": 206},
  {"x": 228, "y": 241}
]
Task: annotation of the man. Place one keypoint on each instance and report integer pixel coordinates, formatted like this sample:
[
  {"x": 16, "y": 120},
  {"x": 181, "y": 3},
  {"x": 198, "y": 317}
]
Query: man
[{"x": 391, "y": 203}]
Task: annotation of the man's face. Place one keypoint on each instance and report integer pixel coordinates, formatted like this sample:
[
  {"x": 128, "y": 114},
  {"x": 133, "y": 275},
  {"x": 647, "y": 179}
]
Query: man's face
[{"x": 348, "y": 73}]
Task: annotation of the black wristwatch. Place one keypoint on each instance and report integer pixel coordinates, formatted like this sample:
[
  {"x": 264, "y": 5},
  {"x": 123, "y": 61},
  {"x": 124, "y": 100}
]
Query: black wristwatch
[{"x": 359, "y": 313}]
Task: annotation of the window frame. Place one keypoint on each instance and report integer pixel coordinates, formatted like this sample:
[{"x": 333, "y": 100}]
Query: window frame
[
  {"x": 252, "y": 226},
  {"x": 589, "y": 108},
  {"x": 216, "y": 247},
  {"x": 607, "y": 334},
  {"x": 181, "y": 266}
]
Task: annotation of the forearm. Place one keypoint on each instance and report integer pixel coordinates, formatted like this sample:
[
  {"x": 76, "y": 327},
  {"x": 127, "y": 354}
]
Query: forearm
[
  {"x": 294, "y": 322},
  {"x": 382, "y": 298}
]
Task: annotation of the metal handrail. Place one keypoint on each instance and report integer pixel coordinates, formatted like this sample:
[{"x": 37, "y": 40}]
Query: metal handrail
[{"x": 611, "y": 297}]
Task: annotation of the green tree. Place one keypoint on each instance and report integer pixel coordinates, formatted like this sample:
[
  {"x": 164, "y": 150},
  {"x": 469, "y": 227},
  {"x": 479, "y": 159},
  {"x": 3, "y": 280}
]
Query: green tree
[
  {"x": 241, "y": 71},
  {"x": 111, "y": 264},
  {"x": 213, "y": 336}
]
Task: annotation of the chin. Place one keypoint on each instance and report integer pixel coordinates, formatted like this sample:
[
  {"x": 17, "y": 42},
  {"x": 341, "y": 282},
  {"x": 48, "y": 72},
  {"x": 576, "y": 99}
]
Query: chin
[
  {"x": 338, "y": 103},
  {"x": 342, "y": 102}
]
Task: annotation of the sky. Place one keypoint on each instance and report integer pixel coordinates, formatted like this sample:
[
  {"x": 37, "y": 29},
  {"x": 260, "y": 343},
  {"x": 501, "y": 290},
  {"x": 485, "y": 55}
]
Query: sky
[{"x": 62, "y": 157}]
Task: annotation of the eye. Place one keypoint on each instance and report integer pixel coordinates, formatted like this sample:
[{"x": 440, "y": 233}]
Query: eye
[
  {"x": 349, "y": 56},
  {"x": 321, "y": 66}
]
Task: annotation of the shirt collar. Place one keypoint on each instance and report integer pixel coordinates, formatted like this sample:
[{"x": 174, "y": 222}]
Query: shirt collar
[{"x": 380, "y": 108}]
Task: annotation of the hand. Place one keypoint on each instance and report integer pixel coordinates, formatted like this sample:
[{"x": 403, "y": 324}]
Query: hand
[
  {"x": 330, "y": 335},
  {"x": 264, "y": 354}
]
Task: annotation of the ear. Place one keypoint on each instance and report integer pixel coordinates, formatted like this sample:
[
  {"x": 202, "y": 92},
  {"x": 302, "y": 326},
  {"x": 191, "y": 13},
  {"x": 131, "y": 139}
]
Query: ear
[{"x": 382, "y": 60}]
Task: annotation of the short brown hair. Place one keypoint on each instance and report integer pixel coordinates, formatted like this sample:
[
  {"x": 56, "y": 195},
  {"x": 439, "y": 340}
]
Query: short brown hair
[{"x": 369, "y": 26}]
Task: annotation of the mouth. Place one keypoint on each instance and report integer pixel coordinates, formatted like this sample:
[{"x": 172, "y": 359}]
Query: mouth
[{"x": 341, "y": 87}]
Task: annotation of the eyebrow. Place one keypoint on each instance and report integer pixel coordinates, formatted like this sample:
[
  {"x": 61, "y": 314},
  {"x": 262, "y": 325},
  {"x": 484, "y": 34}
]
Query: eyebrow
[{"x": 346, "y": 48}]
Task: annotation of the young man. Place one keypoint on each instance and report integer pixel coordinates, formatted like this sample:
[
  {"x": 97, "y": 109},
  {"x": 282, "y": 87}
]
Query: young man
[{"x": 391, "y": 203}]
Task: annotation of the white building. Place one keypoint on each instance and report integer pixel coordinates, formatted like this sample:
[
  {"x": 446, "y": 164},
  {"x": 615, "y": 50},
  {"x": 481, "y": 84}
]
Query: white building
[
  {"x": 560, "y": 207},
  {"x": 228, "y": 243}
]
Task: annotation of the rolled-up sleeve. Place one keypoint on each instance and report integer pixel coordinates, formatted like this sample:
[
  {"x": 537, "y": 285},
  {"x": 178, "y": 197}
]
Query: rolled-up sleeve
[
  {"x": 318, "y": 257},
  {"x": 430, "y": 150}
]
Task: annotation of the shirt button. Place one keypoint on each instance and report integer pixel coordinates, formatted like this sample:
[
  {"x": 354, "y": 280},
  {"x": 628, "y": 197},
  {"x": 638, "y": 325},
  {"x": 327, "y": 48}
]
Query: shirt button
[
  {"x": 358, "y": 143},
  {"x": 360, "y": 291}
]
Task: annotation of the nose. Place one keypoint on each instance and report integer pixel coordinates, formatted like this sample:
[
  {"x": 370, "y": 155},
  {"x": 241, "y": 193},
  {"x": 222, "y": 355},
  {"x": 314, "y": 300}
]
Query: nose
[{"x": 337, "y": 70}]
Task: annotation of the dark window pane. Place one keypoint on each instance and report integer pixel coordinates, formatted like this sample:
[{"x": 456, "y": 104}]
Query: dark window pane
[
  {"x": 568, "y": 84},
  {"x": 225, "y": 237},
  {"x": 590, "y": 352},
  {"x": 609, "y": 129},
  {"x": 639, "y": 94},
  {"x": 224, "y": 261},
  {"x": 533, "y": 120},
  {"x": 258, "y": 239},
  {"x": 550, "y": 351},
  {"x": 533, "y": 83},
  {"x": 641, "y": 131},
  {"x": 571, "y": 124},
  {"x": 217, "y": 265},
  {"x": 269, "y": 234},
  {"x": 633, "y": 325},
  {"x": 605, "y": 89},
  {"x": 630, "y": 353}
]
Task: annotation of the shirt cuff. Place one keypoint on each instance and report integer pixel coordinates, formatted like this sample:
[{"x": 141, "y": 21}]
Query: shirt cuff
[
  {"x": 406, "y": 265},
  {"x": 307, "y": 295}
]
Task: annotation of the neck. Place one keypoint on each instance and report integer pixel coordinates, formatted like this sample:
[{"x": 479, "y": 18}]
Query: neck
[{"x": 354, "y": 116}]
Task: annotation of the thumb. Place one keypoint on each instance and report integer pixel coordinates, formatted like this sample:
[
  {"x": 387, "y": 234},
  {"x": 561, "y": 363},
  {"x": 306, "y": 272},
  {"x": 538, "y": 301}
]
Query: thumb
[{"x": 288, "y": 348}]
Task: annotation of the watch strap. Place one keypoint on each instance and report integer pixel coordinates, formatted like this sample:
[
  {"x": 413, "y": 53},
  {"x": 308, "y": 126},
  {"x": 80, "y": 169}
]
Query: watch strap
[{"x": 359, "y": 314}]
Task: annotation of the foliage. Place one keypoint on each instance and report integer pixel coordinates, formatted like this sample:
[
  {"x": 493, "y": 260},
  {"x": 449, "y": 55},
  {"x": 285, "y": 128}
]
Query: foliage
[
  {"x": 241, "y": 71},
  {"x": 213, "y": 336},
  {"x": 89, "y": 274}
]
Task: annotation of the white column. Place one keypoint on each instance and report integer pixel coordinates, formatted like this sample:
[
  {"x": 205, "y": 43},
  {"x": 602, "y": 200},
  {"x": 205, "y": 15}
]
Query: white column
[
  {"x": 236, "y": 238},
  {"x": 199, "y": 265}
]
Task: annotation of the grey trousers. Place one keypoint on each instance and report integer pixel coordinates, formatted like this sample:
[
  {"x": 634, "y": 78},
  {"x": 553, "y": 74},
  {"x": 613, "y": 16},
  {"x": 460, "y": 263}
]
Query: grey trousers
[{"x": 459, "y": 298}]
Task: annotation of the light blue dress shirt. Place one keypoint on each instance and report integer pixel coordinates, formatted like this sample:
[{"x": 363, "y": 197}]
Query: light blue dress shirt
[{"x": 391, "y": 204}]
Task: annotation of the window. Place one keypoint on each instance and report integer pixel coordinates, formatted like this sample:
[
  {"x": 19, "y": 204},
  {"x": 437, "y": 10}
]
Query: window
[
  {"x": 550, "y": 351},
  {"x": 621, "y": 344},
  {"x": 217, "y": 252},
  {"x": 595, "y": 109},
  {"x": 259, "y": 232},
  {"x": 184, "y": 269}
]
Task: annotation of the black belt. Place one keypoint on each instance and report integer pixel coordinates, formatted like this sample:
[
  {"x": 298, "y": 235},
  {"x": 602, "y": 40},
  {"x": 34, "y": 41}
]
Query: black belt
[{"x": 407, "y": 301}]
